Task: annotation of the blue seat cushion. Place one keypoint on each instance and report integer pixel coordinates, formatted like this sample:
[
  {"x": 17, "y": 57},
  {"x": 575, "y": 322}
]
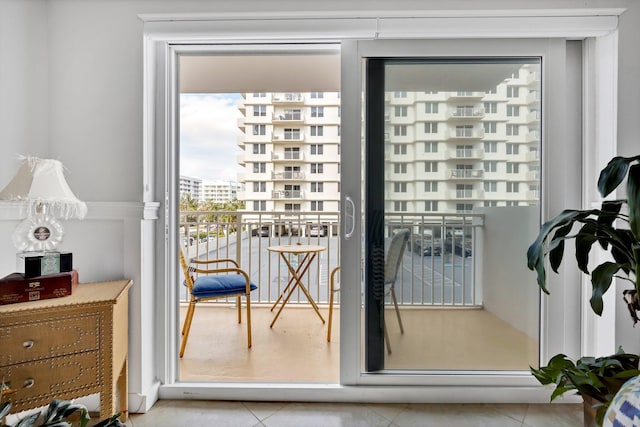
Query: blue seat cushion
[{"x": 220, "y": 285}]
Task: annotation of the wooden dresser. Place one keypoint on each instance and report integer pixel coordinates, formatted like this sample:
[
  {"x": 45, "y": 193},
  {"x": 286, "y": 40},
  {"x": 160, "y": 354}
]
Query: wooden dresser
[{"x": 69, "y": 347}]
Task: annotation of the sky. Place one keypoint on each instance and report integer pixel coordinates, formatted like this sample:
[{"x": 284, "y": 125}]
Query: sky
[{"x": 208, "y": 136}]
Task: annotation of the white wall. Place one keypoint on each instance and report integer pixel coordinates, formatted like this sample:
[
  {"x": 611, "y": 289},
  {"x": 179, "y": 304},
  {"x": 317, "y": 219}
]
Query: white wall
[{"x": 71, "y": 88}]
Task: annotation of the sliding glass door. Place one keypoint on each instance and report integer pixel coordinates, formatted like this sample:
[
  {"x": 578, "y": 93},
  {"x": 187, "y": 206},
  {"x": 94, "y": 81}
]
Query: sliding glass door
[{"x": 453, "y": 142}]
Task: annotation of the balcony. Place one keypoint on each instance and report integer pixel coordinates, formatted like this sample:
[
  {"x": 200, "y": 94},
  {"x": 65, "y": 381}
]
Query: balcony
[
  {"x": 283, "y": 137},
  {"x": 466, "y": 95},
  {"x": 285, "y": 118},
  {"x": 287, "y": 176},
  {"x": 466, "y": 173},
  {"x": 465, "y": 133},
  {"x": 295, "y": 349},
  {"x": 465, "y": 153},
  {"x": 287, "y": 98},
  {"x": 284, "y": 156},
  {"x": 287, "y": 194},
  {"x": 466, "y": 113}
]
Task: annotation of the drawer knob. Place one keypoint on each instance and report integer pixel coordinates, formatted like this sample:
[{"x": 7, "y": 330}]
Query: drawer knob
[
  {"x": 29, "y": 383},
  {"x": 28, "y": 344}
]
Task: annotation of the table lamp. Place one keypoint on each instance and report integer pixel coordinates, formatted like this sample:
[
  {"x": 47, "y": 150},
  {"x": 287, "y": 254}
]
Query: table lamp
[{"x": 40, "y": 187}]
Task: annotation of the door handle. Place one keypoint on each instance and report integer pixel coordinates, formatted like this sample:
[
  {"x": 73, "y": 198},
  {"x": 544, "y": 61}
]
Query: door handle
[{"x": 350, "y": 218}]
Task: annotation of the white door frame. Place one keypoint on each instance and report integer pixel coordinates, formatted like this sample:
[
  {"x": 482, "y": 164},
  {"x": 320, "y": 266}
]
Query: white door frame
[{"x": 162, "y": 33}]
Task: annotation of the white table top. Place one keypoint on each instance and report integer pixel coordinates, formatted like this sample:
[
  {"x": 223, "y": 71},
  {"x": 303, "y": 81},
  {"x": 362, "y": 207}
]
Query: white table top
[{"x": 296, "y": 249}]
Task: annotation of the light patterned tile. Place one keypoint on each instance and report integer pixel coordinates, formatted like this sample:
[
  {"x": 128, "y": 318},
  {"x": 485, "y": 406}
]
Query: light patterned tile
[
  {"x": 458, "y": 415},
  {"x": 263, "y": 410},
  {"x": 557, "y": 415},
  {"x": 188, "y": 413},
  {"x": 325, "y": 415}
]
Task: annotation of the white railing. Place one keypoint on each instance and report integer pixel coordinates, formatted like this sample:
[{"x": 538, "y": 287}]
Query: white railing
[{"x": 438, "y": 267}]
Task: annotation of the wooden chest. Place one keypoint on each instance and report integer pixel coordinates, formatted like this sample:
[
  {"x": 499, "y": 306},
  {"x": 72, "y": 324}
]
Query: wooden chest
[{"x": 68, "y": 347}]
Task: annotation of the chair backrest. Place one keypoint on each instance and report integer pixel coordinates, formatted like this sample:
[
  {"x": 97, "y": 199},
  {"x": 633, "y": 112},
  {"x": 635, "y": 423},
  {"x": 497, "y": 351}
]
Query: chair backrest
[
  {"x": 394, "y": 255},
  {"x": 188, "y": 278}
]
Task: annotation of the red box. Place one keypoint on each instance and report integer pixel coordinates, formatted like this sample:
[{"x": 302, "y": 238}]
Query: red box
[{"x": 16, "y": 288}]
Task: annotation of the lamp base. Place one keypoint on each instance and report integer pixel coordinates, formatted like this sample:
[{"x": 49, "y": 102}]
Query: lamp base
[{"x": 38, "y": 233}]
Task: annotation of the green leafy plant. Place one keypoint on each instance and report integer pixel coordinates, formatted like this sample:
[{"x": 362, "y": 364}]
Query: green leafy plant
[
  {"x": 59, "y": 413},
  {"x": 596, "y": 378},
  {"x": 610, "y": 227},
  {"x": 616, "y": 230}
]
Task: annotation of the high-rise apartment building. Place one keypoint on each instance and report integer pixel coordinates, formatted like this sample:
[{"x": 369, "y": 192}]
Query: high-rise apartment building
[
  {"x": 191, "y": 186},
  {"x": 291, "y": 152},
  {"x": 219, "y": 191},
  {"x": 446, "y": 152}
]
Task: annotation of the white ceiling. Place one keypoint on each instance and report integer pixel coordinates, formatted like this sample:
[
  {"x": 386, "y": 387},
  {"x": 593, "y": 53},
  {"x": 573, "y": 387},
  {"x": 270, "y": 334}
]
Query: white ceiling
[{"x": 311, "y": 72}]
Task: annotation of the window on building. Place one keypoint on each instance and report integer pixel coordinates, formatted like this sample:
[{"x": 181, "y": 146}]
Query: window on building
[
  {"x": 259, "y": 187},
  {"x": 259, "y": 205},
  {"x": 490, "y": 186},
  {"x": 260, "y": 110},
  {"x": 431, "y": 166},
  {"x": 399, "y": 187},
  {"x": 317, "y": 187},
  {"x": 464, "y": 131},
  {"x": 259, "y": 94},
  {"x": 317, "y": 167},
  {"x": 513, "y": 187},
  {"x": 400, "y": 168},
  {"x": 399, "y": 130},
  {"x": 513, "y": 110},
  {"x": 464, "y": 191},
  {"x": 490, "y": 107},
  {"x": 490, "y": 127},
  {"x": 513, "y": 203},
  {"x": 430, "y": 186},
  {"x": 292, "y": 133},
  {"x": 259, "y": 148},
  {"x": 317, "y": 149},
  {"x": 490, "y": 165},
  {"x": 513, "y": 130},
  {"x": 259, "y": 129},
  {"x": 513, "y": 91},
  {"x": 430, "y": 147},
  {"x": 400, "y": 206},
  {"x": 317, "y": 111},
  {"x": 490, "y": 146},
  {"x": 431, "y": 127},
  {"x": 292, "y": 207},
  {"x": 464, "y": 151},
  {"x": 317, "y": 130},
  {"x": 431, "y": 206},
  {"x": 317, "y": 205},
  {"x": 464, "y": 207},
  {"x": 513, "y": 148},
  {"x": 400, "y": 94},
  {"x": 259, "y": 167},
  {"x": 400, "y": 149},
  {"x": 513, "y": 167},
  {"x": 431, "y": 108},
  {"x": 400, "y": 111},
  {"x": 490, "y": 203},
  {"x": 317, "y": 95}
]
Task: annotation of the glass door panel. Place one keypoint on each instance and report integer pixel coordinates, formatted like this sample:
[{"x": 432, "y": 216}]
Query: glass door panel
[{"x": 452, "y": 174}]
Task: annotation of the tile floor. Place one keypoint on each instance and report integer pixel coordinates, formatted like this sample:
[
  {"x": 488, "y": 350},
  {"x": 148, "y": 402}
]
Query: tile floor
[{"x": 178, "y": 413}]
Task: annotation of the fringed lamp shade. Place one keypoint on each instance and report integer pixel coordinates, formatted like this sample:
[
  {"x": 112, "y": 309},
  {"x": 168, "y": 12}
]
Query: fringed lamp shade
[{"x": 40, "y": 186}]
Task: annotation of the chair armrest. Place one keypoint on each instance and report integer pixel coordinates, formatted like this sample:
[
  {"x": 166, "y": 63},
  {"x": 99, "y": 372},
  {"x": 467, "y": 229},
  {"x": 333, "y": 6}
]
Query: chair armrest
[{"x": 214, "y": 261}]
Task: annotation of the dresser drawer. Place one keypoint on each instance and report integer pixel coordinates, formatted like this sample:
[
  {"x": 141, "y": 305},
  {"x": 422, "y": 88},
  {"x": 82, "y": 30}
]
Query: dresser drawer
[
  {"x": 36, "y": 383},
  {"x": 35, "y": 340}
]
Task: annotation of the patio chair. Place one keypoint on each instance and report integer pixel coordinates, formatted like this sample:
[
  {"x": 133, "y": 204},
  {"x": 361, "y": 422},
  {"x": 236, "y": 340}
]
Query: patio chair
[
  {"x": 393, "y": 261},
  {"x": 213, "y": 284}
]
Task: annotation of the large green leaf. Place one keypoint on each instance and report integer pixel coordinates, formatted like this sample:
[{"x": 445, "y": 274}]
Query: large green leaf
[
  {"x": 555, "y": 254},
  {"x": 614, "y": 173},
  {"x": 584, "y": 240},
  {"x": 633, "y": 199},
  {"x": 601, "y": 278}
]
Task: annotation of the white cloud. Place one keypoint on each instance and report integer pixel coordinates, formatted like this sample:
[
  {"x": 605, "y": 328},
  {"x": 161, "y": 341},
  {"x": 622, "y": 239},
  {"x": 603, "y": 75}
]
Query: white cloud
[{"x": 208, "y": 136}]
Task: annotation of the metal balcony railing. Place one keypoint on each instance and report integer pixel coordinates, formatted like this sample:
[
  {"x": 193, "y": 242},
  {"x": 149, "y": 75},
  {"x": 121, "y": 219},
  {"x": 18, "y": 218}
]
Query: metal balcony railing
[{"x": 438, "y": 267}]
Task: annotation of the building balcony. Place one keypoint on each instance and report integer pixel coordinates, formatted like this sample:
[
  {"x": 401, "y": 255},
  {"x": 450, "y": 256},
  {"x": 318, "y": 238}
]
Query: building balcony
[
  {"x": 466, "y": 95},
  {"x": 284, "y": 156},
  {"x": 466, "y": 194},
  {"x": 286, "y": 138},
  {"x": 287, "y": 176},
  {"x": 287, "y": 194},
  {"x": 466, "y": 173},
  {"x": 464, "y": 134},
  {"x": 287, "y": 98},
  {"x": 464, "y": 153},
  {"x": 287, "y": 118},
  {"x": 465, "y": 113}
]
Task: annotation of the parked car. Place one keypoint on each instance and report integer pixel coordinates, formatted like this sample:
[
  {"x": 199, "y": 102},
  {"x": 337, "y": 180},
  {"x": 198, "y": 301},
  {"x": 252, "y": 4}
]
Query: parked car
[
  {"x": 318, "y": 231},
  {"x": 423, "y": 246}
]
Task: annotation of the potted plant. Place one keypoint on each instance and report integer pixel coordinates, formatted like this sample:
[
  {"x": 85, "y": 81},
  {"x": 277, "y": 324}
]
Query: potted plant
[
  {"x": 59, "y": 413},
  {"x": 615, "y": 228}
]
